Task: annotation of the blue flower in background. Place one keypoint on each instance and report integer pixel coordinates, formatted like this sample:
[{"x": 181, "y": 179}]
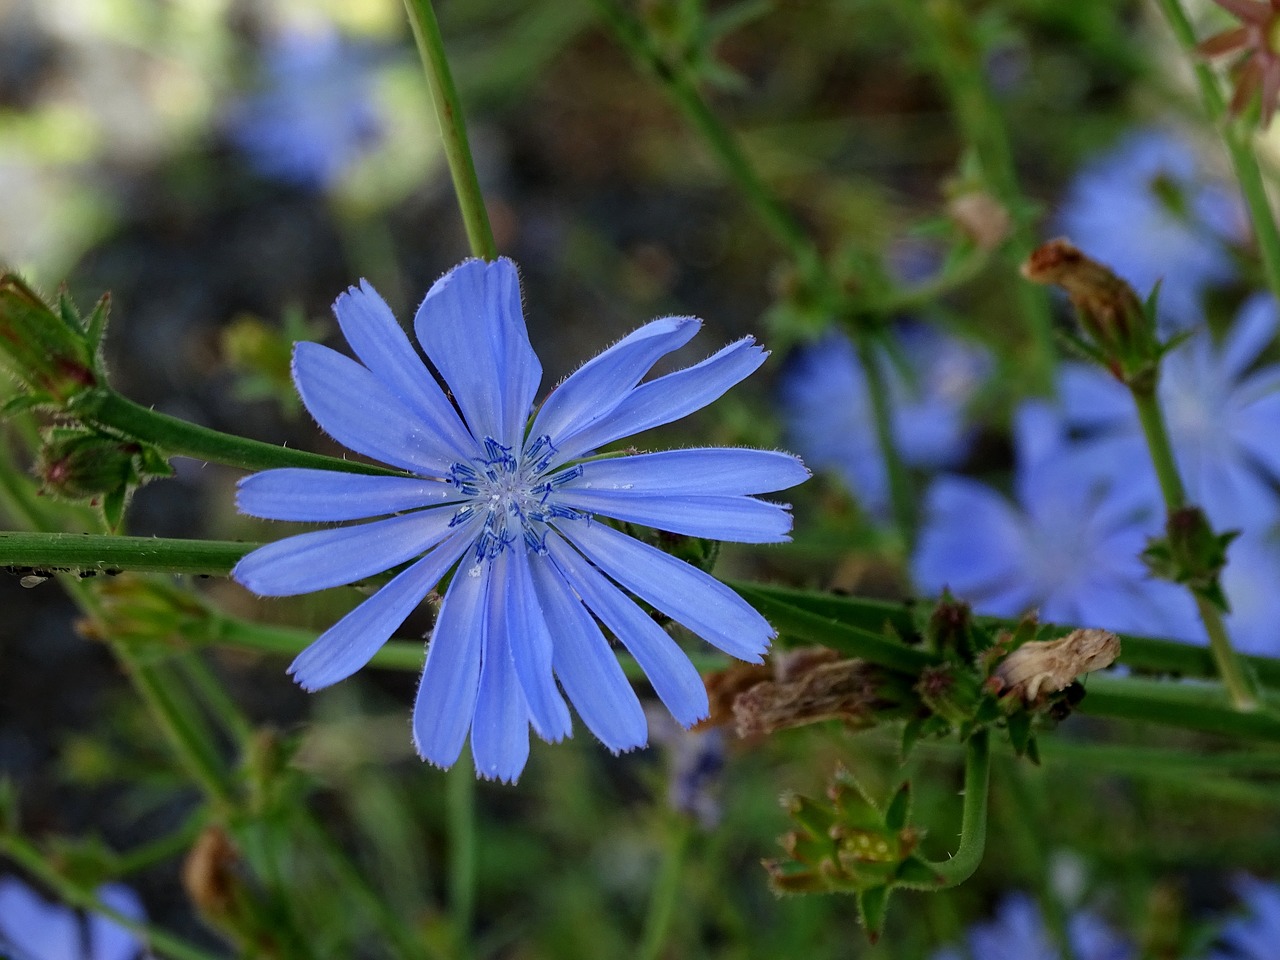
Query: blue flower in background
[
  {"x": 1250, "y": 581},
  {"x": 1018, "y": 933},
  {"x": 32, "y": 928},
  {"x": 512, "y": 506},
  {"x": 1223, "y": 418},
  {"x": 1255, "y": 936},
  {"x": 1147, "y": 211},
  {"x": 313, "y": 116},
  {"x": 829, "y": 419},
  {"x": 1069, "y": 548}
]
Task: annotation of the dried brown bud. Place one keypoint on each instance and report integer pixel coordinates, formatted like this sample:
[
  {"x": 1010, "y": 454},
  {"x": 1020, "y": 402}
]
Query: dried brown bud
[
  {"x": 1094, "y": 289},
  {"x": 1042, "y": 667},
  {"x": 208, "y": 874},
  {"x": 812, "y": 686}
]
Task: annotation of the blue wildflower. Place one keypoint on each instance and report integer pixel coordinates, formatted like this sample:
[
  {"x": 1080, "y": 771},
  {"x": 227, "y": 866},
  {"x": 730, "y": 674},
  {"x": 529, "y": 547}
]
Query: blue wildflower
[
  {"x": 314, "y": 115},
  {"x": 1223, "y": 418},
  {"x": 1147, "y": 210},
  {"x": 512, "y": 506},
  {"x": 1256, "y": 935},
  {"x": 31, "y": 928},
  {"x": 827, "y": 409},
  {"x": 1018, "y": 933},
  {"x": 1068, "y": 549},
  {"x": 1249, "y": 580}
]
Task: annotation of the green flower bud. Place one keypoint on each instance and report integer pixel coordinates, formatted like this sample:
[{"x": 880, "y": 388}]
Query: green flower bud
[
  {"x": 81, "y": 466},
  {"x": 48, "y": 351}
]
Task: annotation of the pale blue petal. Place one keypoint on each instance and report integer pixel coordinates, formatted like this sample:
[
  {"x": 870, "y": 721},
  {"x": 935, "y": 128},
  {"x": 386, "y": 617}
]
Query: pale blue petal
[
  {"x": 719, "y": 471},
  {"x": 524, "y": 624},
  {"x": 472, "y": 327},
  {"x": 500, "y": 729},
  {"x": 353, "y": 407},
  {"x": 295, "y": 493},
  {"x": 34, "y": 926},
  {"x": 446, "y": 701},
  {"x": 587, "y": 668},
  {"x": 380, "y": 343},
  {"x": 1093, "y": 399},
  {"x": 669, "y": 398},
  {"x": 331, "y": 558},
  {"x": 674, "y": 679},
  {"x": 1253, "y": 330},
  {"x": 350, "y": 643},
  {"x": 972, "y": 541},
  {"x": 739, "y": 519},
  {"x": 686, "y": 594},
  {"x": 107, "y": 939},
  {"x": 598, "y": 386}
]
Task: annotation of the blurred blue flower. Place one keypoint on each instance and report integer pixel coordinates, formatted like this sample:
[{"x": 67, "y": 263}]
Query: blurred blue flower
[
  {"x": 32, "y": 928},
  {"x": 1018, "y": 933},
  {"x": 1255, "y": 936},
  {"x": 1250, "y": 581},
  {"x": 511, "y": 505},
  {"x": 1068, "y": 549},
  {"x": 827, "y": 409},
  {"x": 1223, "y": 417},
  {"x": 1147, "y": 210},
  {"x": 313, "y": 116}
]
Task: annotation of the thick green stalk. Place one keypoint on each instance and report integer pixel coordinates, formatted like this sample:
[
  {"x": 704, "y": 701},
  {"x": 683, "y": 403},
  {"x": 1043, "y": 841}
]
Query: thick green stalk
[
  {"x": 1205, "y": 707},
  {"x": 664, "y": 899},
  {"x": 177, "y": 437},
  {"x": 453, "y": 128},
  {"x": 973, "y": 822},
  {"x": 1238, "y": 139},
  {"x": 1243, "y": 690},
  {"x": 33, "y": 862},
  {"x": 98, "y": 553},
  {"x": 460, "y": 804}
]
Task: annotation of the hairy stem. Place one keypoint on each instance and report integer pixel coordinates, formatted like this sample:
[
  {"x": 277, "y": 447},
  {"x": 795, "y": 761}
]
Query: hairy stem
[{"x": 973, "y": 823}]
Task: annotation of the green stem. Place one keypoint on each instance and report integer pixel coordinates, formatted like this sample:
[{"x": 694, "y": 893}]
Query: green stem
[
  {"x": 453, "y": 129},
  {"x": 973, "y": 823},
  {"x": 901, "y": 497},
  {"x": 1243, "y": 690},
  {"x": 33, "y": 862},
  {"x": 664, "y": 899},
  {"x": 84, "y": 552},
  {"x": 682, "y": 90},
  {"x": 1238, "y": 139},
  {"x": 949, "y": 35},
  {"x": 460, "y": 800},
  {"x": 180, "y": 438},
  {"x": 1205, "y": 707}
]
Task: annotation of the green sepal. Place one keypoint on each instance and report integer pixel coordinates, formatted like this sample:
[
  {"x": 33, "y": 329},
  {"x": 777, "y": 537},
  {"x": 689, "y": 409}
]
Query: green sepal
[
  {"x": 898, "y": 813},
  {"x": 113, "y": 504},
  {"x": 96, "y": 326},
  {"x": 916, "y": 874},
  {"x": 873, "y": 907},
  {"x": 18, "y": 403},
  {"x": 1019, "y": 727}
]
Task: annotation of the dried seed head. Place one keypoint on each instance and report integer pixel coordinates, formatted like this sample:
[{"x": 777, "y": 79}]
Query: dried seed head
[{"x": 1042, "y": 667}]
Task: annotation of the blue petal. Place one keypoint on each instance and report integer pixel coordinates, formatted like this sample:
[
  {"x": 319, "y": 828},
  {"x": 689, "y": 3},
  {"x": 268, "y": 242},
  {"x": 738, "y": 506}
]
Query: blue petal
[
  {"x": 524, "y": 626},
  {"x": 377, "y": 339},
  {"x": 349, "y": 644},
  {"x": 1093, "y": 400},
  {"x": 108, "y": 940},
  {"x": 690, "y": 597},
  {"x": 446, "y": 700},
  {"x": 294, "y": 493},
  {"x": 472, "y": 328},
  {"x": 34, "y": 926},
  {"x": 669, "y": 398},
  {"x": 972, "y": 541},
  {"x": 598, "y": 386},
  {"x": 353, "y": 407},
  {"x": 740, "y": 519},
  {"x": 331, "y": 558},
  {"x": 587, "y": 667},
  {"x": 674, "y": 679},
  {"x": 500, "y": 728},
  {"x": 1253, "y": 330},
  {"x": 717, "y": 470}
]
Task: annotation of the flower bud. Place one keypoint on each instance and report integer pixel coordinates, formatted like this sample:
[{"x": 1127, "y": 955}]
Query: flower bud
[
  {"x": 48, "y": 352},
  {"x": 1191, "y": 553},
  {"x": 80, "y": 466}
]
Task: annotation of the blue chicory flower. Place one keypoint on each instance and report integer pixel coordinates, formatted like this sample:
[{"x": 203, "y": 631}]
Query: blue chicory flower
[
  {"x": 1255, "y": 936},
  {"x": 1070, "y": 548},
  {"x": 32, "y": 928},
  {"x": 1018, "y": 933},
  {"x": 1148, "y": 211},
  {"x": 314, "y": 114},
  {"x": 828, "y": 413},
  {"x": 1223, "y": 418},
  {"x": 512, "y": 506},
  {"x": 1249, "y": 581}
]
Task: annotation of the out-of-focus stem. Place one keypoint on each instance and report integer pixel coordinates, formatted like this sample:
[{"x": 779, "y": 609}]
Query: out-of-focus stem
[
  {"x": 901, "y": 496},
  {"x": 460, "y": 801},
  {"x": 664, "y": 899},
  {"x": 1238, "y": 139}
]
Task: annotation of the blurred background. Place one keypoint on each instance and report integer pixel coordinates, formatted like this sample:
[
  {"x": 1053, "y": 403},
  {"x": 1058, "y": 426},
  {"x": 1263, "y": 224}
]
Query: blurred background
[{"x": 225, "y": 168}]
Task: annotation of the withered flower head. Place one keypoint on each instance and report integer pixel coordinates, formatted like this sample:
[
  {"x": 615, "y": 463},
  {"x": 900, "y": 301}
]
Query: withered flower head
[
  {"x": 1040, "y": 668},
  {"x": 1258, "y": 37}
]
